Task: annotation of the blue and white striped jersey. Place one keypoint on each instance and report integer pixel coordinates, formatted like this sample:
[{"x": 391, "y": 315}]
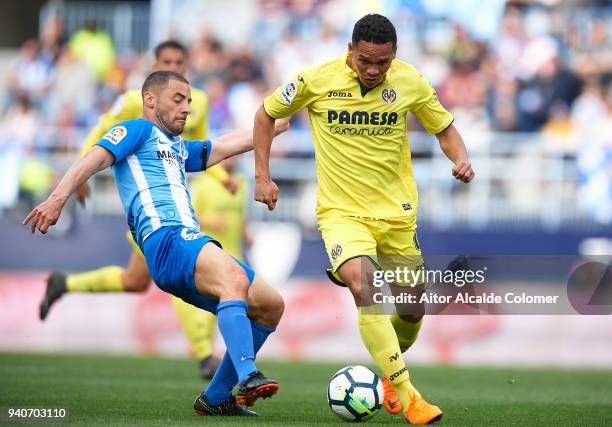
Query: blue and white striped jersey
[{"x": 150, "y": 171}]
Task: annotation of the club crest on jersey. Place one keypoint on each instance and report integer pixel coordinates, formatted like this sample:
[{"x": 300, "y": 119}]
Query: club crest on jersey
[
  {"x": 389, "y": 95},
  {"x": 288, "y": 93},
  {"x": 116, "y": 134},
  {"x": 336, "y": 252}
]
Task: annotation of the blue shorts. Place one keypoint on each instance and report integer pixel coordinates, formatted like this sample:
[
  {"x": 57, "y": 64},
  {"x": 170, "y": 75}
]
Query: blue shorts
[{"x": 171, "y": 254}]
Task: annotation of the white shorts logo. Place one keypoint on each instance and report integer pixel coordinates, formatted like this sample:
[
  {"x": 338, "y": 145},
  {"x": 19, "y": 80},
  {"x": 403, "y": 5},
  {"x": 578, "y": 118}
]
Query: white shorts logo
[
  {"x": 191, "y": 234},
  {"x": 116, "y": 134}
]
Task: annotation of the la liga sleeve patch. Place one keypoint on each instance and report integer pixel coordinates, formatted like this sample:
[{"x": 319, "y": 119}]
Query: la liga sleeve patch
[
  {"x": 116, "y": 134},
  {"x": 289, "y": 92}
]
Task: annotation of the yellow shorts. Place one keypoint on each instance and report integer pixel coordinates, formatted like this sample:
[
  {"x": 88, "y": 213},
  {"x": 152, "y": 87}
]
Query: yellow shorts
[
  {"x": 390, "y": 243},
  {"x": 133, "y": 244}
]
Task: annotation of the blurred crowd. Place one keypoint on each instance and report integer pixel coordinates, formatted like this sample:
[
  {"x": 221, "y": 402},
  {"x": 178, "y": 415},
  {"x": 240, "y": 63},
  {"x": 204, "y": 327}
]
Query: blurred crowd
[{"x": 546, "y": 66}]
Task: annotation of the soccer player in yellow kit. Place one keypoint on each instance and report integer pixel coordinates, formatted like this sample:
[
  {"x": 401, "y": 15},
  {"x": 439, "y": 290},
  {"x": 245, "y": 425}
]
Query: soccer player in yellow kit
[
  {"x": 199, "y": 325},
  {"x": 221, "y": 212},
  {"x": 367, "y": 195}
]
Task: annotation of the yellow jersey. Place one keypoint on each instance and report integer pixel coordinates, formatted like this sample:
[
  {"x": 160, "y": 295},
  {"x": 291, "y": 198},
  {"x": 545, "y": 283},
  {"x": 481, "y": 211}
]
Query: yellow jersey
[
  {"x": 213, "y": 201},
  {"x": 360, "y": 140},
  {"x": 128, "y": 106}
]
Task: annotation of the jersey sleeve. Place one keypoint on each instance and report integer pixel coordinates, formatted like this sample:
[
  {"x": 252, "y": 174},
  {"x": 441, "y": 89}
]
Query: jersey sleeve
[
  {"x": 124, "y": 138},
  {"x": 289, "y": 98},
  {"x": 125, "y": 107},
  {"x": 428, "y": 109},
  {"x": 198, "y": 153}
]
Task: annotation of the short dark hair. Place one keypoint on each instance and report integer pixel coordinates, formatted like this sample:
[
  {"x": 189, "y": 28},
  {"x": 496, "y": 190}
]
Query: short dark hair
[
  {"x": 169, "y": 44},
  {"x": 374, "y": 28},
  {"x": 159, "y": 79}
]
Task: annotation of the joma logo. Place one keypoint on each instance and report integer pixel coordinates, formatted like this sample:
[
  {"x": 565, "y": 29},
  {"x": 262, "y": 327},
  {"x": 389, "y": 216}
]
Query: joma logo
[{"x": 333, "y": 94}]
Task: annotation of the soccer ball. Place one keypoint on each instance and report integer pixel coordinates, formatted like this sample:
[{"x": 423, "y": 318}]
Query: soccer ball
[{"x": 355, "y": 393}]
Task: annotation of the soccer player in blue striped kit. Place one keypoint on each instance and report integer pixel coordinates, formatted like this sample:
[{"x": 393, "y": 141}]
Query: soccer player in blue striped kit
[{"x": 149, "y": 160}]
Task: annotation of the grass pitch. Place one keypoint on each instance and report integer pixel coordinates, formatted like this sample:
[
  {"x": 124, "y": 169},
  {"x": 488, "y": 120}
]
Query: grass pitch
[{"x": 112, "y": 390}]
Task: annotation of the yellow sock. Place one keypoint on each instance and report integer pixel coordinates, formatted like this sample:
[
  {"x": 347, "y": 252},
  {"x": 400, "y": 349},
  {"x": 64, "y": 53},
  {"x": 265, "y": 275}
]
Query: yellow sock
[
  {"x": 199, "y": 327},
  {"x": 106, "y": 279},
  {"x": 379, "y": 337},
  {"x": 406, "y": 332}
]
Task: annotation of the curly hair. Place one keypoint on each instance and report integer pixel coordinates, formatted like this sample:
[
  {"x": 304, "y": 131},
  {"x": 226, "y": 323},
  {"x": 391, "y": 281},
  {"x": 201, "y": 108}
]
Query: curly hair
[{"x": 374, "y": 28}]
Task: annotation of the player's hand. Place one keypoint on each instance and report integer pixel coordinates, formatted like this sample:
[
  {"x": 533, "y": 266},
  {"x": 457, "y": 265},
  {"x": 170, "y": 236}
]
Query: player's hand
[
  {"x": 231, "y": 184},
  {"x": 266, "y": 191},
  {"x": 280, "y": 126},
  {"x": 463, "y": 171},
  {"x": 82, "y": 192},
  {"x": 45, "y": 215}
]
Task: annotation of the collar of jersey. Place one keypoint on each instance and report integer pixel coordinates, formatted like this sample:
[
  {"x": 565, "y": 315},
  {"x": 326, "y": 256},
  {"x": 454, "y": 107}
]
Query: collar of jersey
[{"x": 171, "y": 138}]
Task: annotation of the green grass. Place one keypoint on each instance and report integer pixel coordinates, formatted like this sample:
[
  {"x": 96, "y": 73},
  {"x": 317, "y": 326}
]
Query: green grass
[{"x": 112, "y": 390}]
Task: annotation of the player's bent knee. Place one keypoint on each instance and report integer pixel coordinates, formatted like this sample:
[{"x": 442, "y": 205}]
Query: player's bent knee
[
  {"x": 356, "y": 274},
  {"x": 362, "y": 292},
  {"x": 275, "y": 309},
  {"x": 236, "y": 285},
  {"x": 267, "y": 309},
  {"x": 355, "y": 287}
]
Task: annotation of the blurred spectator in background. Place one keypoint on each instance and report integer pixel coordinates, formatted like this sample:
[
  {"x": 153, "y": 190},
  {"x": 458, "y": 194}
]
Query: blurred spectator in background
[
  {"x": 20, "y": 124},
  {"x": 507, "y": 47},
  {"x": 19, "y": 127},
  {"x": 244, "y": 78},
  {"x": 52, "y": 38},
  {"x": 30, "y": 74},
  {"x": 73, "y": 88},
  {"x": 547, "y": 85},
  {"x": 208, "y": 59},
  {"x": 592, "y": 104},
  {"x": 219, "y": 115},
  {"x": 95, "y": 47},
  {"x": 592, "y": 116},
  {"x": 464, "y": 90}
]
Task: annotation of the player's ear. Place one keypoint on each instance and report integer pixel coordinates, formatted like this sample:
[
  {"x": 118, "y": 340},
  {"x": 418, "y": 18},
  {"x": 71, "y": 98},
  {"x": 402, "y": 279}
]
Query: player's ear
[
  {"x": 148, "y": 99},
  {"x": 349, "y": 55}
]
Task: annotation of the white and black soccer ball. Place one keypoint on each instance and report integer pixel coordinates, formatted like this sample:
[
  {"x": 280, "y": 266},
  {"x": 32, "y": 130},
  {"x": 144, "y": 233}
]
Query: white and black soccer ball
[{"x": 355, "y": 393}]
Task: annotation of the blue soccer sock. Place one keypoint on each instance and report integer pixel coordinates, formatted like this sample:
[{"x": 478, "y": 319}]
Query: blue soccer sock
[
  {"x": 235, "y": 327},
  {"x": 220, "y": 387}
]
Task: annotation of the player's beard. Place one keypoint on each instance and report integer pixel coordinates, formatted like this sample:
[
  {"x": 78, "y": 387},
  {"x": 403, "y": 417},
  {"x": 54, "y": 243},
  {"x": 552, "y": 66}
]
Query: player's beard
[{"x": 168, "y": 123}]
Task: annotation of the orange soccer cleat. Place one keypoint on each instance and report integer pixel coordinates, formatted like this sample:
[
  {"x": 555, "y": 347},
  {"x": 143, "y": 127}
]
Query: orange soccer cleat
[
  {"x": 421, "y": 412},
  {"x": 391, "y": 401}
]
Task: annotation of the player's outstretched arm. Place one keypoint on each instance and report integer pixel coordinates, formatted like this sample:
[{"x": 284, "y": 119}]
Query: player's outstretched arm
[
  {"x": 452, "y": 145},
  {"x": 48, "y": 212},
  {"x": 234, "y": 143},
  {"x": 123, "y": 109},
  {"x": 266, "y": 190}
]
